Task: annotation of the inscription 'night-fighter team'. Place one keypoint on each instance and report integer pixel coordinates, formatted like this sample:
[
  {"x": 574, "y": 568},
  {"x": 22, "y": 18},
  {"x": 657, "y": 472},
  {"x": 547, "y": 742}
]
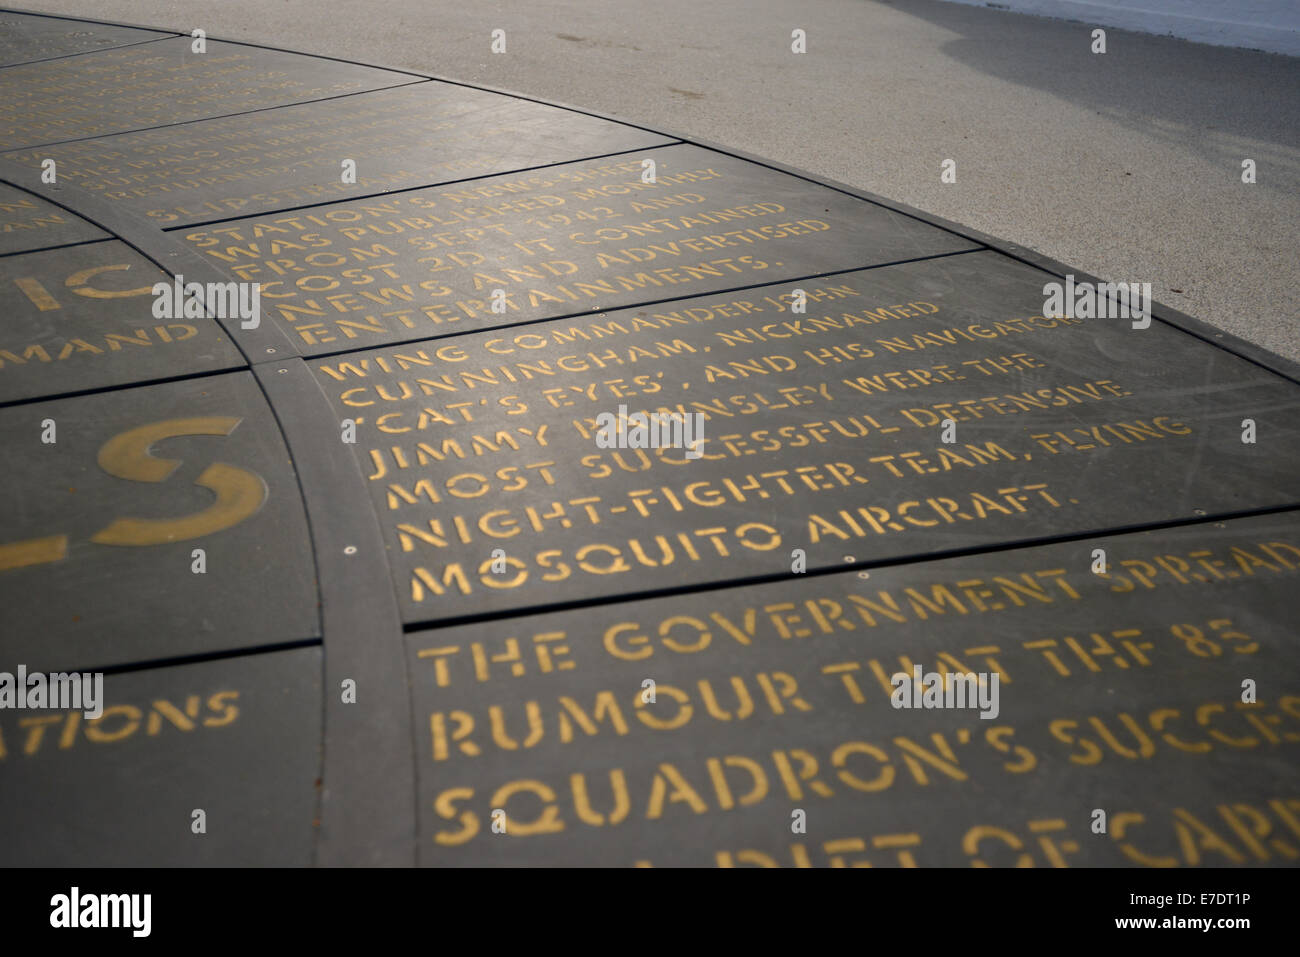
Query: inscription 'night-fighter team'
[{"x": 874, "y": 421}]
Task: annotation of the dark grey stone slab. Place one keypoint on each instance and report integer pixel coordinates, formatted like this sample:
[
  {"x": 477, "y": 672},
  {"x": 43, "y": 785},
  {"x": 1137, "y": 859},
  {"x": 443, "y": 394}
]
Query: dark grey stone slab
[
  {"x": 24, "y": 38},
  {"x": 576, "y": 238},
  {"x": 29, "y": 222},
  {"x": 97, "y": 564},
  {"x": 238, "y": 739},
  {"x": 822, "y": 433},
  {"x": 416, "y": 135},
  {"x": 153, "y": 84},
  {"x": 82, "y": 318},
  {"x": 1120, "y": 693},
  {"x": 1121, "y": 690}
]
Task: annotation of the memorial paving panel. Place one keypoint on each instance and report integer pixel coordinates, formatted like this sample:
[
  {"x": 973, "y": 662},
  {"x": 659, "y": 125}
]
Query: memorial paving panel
[
  {"x": 29, "y": 222},
  {"x": 165, "y": 82},
  {"x": 732, "y": 519},
  {"x": 821, "y": 436},
  {"x": 83, "y": 318},
  {"x": 238, "y": 739},
  {"x": 759, "y": 726},
  {"x": 414, "y": 135},
  {"x": 151, "y": 523},
  {"x": 24, "y": 38},
  {"x": 580, "y": 237}
]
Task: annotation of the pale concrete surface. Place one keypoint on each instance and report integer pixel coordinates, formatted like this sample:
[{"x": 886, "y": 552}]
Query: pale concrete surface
[{"x": 1126, "y": 165}]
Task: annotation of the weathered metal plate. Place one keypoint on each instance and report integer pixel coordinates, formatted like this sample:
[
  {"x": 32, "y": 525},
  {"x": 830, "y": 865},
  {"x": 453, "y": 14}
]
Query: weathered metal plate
[
  {"x": 576, "y": 238},
  {"x": 29, "y": 222},
  {"x": 153, "y": 84},
  {"x": 82, "y": 318},
  {"x": 238, "y": 739},
  {"x": 24, "y": 38},
  {"x": 98, "y": 563},
  {"x": 821, "y": 433},
  {"x": 773, "y": 739},
  {"x": 415, "y": 135}
]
